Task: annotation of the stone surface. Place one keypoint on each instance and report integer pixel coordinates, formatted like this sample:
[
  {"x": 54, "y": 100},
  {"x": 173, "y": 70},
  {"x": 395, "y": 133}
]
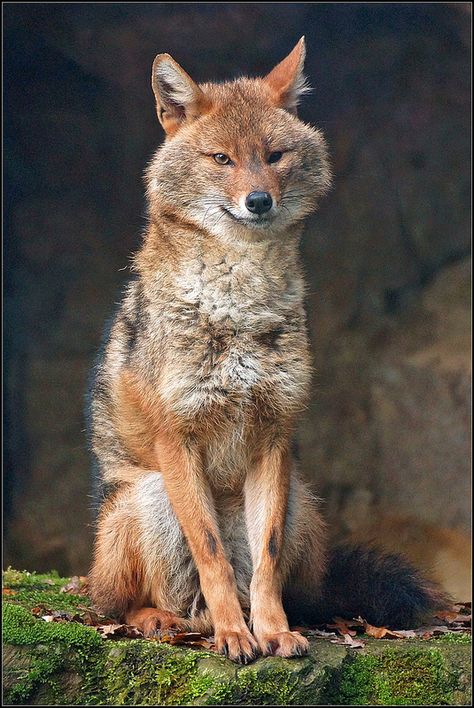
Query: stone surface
[{"x": 48, "y": 663}]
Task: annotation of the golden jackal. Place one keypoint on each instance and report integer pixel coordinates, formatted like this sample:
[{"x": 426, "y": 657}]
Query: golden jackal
[{"x": 205, "y": 522}]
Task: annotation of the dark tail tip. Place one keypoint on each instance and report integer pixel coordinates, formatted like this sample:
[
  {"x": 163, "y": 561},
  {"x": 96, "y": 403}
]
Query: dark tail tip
[{"x": 382, "y": 588}]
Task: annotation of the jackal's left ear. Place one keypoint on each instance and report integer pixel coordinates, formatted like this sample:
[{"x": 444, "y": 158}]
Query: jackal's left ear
[
  {"x": 178, "y": 98},
  {"x": 287, "y": 80}
]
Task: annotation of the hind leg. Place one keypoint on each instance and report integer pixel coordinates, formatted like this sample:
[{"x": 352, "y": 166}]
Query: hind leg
[
  {"x": 305, "y": 554},
  {"x": 142, "y": 571},
  {"x": 150, "y": 620},
  {"x": 116, "y": 576}
]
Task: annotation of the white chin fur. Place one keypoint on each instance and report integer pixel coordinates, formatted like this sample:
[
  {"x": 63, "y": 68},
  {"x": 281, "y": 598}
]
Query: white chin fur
[
  {"x": 225, "y": 222},
  {"x": 230, "y": 224},
  {"x": 229, "y": 228}
]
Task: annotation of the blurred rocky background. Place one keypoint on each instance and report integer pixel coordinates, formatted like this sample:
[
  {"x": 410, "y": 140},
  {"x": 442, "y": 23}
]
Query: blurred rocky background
[{"x": 386, "y": 437}]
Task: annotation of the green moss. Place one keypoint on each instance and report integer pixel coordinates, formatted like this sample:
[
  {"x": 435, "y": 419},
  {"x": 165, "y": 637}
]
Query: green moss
[
  {"x": 20, "y": 627},
  {"x": 49, "y": 600},
  {"x": 56, "y": 649},
  {"x": 409, "y": 677},
  {"x": 24, "y": 579},
  {"x": 454, "y": 638},
  {"x": 220, "y": 695},
  {"x": 273, "y": 684},
  {"x": 150, "y": 673},
  {"x": 41, "y": 671},
  {"x": 33, "y": 590}
]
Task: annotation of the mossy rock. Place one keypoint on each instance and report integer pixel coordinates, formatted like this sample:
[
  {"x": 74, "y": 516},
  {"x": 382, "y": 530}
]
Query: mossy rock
[{"x": 70, "y": 664}]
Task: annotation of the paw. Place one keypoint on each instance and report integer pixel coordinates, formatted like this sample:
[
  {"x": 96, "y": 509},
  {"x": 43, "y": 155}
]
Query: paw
[
  {"x": 284, "y": 644},
  {"x": 150, "y": 621},
  {"x": 239, "y": 646}
]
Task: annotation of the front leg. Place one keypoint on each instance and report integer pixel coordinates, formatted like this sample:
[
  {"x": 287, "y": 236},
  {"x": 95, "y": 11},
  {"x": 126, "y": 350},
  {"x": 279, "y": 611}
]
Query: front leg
[
  {"x": 266, "y": 503},
  {"x": 180, "y": 463}
]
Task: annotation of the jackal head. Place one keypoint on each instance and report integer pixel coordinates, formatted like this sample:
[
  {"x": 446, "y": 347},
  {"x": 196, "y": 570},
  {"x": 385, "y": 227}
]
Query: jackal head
[{"x": 237, "y": 161}]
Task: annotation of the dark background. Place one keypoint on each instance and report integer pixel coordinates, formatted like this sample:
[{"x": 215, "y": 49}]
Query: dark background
[{"x": 386, "y": 438}]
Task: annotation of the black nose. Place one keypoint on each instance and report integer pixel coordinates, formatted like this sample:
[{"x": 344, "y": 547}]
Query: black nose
[{"x": 259, "y": 202}]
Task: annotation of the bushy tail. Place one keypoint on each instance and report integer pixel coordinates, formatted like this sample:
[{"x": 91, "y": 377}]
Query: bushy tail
[{"x": 382, "y": 588}]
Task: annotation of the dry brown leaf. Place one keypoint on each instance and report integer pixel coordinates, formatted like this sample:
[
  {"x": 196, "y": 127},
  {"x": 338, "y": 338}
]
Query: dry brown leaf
[
  {"x": 347, "y": 640},
  {"x": 192, "y": 639},
  {"x": 454, "y": 617},
  {"x": 7, "y": 591},
  {"x": 323, "y": 634},
  {"x": 462, "y": 607},
  {"x": 314, "y": 631},
  {"x": 119, "y": 631},
  {"x": 92, "y": 618},
  {"x": 344, "y": 626},
  {"x": 109, "y": 630},
  {"x": 377, "y": 632},
  {"x": 55, "y": 615},
  {"x": 380, "y": 632},
  {"x": 78, "y": 585},
  {"x": 406, "y": 633},
  {"x": 37, "y": 611},
  {"x": 449, "y": 616}
]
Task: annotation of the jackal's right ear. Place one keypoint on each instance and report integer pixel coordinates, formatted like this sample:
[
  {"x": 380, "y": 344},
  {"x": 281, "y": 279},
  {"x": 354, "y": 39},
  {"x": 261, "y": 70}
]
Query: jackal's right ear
[{"x": 178, "y": 98}]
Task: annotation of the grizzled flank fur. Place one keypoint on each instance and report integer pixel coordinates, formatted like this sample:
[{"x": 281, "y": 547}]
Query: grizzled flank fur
[{"x": 202, "y": 379}]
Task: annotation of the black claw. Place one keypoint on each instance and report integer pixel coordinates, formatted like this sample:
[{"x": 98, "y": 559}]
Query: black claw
[{"x": 270, "y": 648}]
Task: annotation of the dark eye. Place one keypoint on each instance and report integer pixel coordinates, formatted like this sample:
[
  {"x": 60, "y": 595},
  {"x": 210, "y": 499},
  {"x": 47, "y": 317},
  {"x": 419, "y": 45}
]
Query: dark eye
[
  {"x": 274, "y": 157},
  {"x": 222, "y": 159}
]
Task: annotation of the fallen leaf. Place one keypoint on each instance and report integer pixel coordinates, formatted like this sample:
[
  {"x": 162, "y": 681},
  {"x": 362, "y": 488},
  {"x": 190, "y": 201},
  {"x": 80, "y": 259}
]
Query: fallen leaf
[
  {"x": 406, "y": 633},
  {"x": 116, "y": 631},
  {"x": 347, "y": 640},
  {"x": 192, "y": 639},
  {"x": 7, "y": 591},
  {"x": 344, "y": 626},
  {"x": 436, "y": 629},
  {"x": 78, "y": 585},
  {"x": 61, "y": 616},
  {"x": 56, "y": 615},
  {"x": 449, "y": 616},
  {"x": 379, "y": 632},
  {"x": 92, "y": 618},
  {"x": 37, "y": 611},
  {"x": 323, "y": 634}
]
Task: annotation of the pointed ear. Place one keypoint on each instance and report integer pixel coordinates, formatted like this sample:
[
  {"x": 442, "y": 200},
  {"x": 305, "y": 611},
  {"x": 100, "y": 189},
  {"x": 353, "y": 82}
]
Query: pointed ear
[
  {"x": 178, "y": 98},
  {"x": 287, "y": 80}
]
